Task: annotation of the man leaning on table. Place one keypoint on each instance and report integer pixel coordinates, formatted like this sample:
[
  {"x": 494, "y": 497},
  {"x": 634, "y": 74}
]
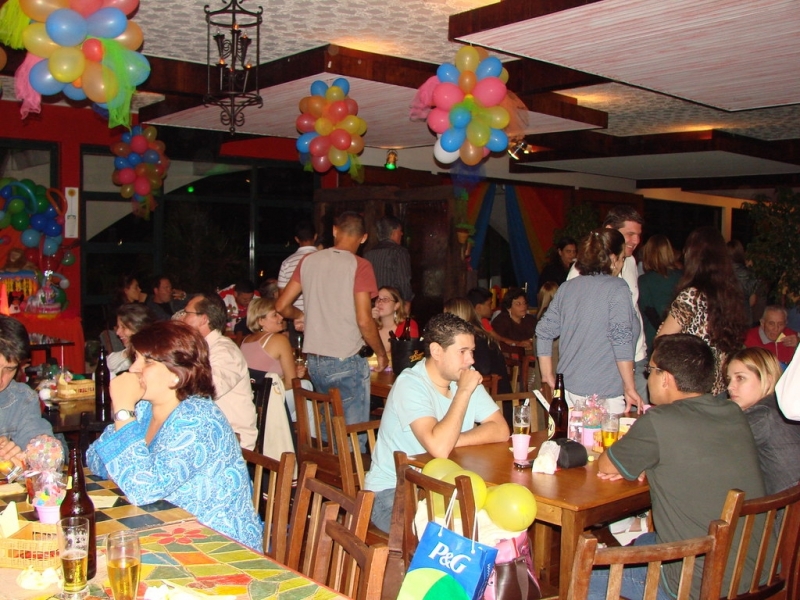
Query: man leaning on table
[
  {"x": 693, "y": 448},
  {"x": 433, "y": 407}
]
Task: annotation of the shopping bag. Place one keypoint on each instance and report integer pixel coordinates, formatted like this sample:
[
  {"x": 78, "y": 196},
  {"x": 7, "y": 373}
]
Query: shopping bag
[{"x": 513, "y": 577}]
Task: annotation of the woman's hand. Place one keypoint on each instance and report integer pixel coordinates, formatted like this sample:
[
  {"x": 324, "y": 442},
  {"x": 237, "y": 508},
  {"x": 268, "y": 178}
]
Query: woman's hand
[{"x": 126, "y": 390}]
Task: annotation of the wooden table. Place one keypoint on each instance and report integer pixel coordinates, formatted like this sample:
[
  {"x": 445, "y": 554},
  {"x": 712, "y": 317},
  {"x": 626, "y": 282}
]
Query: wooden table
[
  {"x": 572, "y": 499},
  {"x": 380, "y": 383}
]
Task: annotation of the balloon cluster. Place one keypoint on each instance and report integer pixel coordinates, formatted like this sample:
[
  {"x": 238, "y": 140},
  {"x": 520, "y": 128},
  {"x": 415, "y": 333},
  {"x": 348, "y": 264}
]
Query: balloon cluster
[
  {"x": 467, "y": 115},
  {"x": 34, "y": 211},
  {"x": 139, "y": 166},
  {"x": 330, "y": 126},
  {"x": 510, "y": 506},
  {"x": 87, "y": 49}
]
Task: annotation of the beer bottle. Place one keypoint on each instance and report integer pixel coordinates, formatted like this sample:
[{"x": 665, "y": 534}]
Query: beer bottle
[
  {"x": 102, "y": 396},
  {"x": 559, "y": 410},
  {"x": 77, "y": 503},
  {"x": 406, "y": 335}
]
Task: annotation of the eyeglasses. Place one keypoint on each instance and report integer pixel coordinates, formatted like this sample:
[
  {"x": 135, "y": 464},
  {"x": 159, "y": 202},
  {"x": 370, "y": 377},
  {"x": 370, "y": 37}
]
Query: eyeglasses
[
  {"x": 650, "y": 368},
  {"x": 182, "y": 312},
  {"x": 384, "y": 300}
]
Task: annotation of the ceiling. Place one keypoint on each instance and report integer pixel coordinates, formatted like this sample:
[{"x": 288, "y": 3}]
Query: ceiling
[{"x": 700, "y": 95}]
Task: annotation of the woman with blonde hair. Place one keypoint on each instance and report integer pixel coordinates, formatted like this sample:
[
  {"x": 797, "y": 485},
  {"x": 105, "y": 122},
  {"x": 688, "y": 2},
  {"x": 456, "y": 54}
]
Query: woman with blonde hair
[
  {"x": 390, "y": 315},
  {"x": 267, "y": 349},
  {"x": 752, "y": 375},
  {"x": 657, "y": 285}
]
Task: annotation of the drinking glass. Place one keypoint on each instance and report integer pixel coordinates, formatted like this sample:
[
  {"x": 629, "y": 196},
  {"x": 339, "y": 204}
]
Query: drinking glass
[
  {"x": 124, "y": 563},
  {"x": 522, "y": 419},
  {"x": 73, "y": 548},
  {"x": 8, "y": 470},
  {"x": 609, "y": 427}
]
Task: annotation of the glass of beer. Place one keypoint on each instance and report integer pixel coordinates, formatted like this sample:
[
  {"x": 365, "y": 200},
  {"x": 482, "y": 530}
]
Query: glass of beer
[
  {"x": 124, "y": 563},
  {"x": 522, "y": 419},
  {"x": 73, "y": 547},
  {"x": 609, "y": 427}
]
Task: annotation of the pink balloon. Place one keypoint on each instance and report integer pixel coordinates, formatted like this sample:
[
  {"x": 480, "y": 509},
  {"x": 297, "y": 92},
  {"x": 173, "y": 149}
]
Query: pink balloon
[
  {"x": 352, "y": 106},
  {"x": 489, "y": 91},
  {"x": 446, "y": 95},
  {"x": 141, "y": 186},
  {"x": 321, "y": 163},
  {"x": 305, "y": 123},
  {"x": 93, "y": 49},
  {"x": 139, "y": 144},
  {"x": 126, "y": 6},
  {"x": 340, "y": 139},
  {"x": 439, "y": 120},
  {"x": 85, "y": 7},
  {"x": 127, "y": 176},
  {"x": 320, "y": 145}
]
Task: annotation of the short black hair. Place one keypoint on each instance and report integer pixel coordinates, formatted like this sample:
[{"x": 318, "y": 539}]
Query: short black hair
[
  {"x": 304, "y": 231},
  {"x": 478, "y": 295},
  {"x": 385, "y": 226},
  {"x": 443, "y": 329},
  {"x": 15, "y": 346},
  {"x": 511, "y": 295},
  {"x": 689, "y": 359},
  {"x": 244, "y": 286}
]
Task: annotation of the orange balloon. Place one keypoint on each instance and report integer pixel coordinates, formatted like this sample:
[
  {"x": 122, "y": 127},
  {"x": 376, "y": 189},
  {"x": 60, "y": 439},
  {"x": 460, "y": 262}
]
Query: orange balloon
[
  {"x": 467, "y": 81},
  {"x": 36, "y": 40},
  {"x": 304, "y": 104},
  {"x": 356, "y": 144},
  {"x": 316, "y": 106},
  {"x": 132, "y": 38},
  {"x": 99, "y": 83},
  {"x": 470, "y": 155},
  {"x": 3, "y": 58},
  {"x": 39, "y": 10}
]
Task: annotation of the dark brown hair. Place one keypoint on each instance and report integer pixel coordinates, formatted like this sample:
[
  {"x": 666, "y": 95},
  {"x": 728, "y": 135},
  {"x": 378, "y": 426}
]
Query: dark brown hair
[
  {"x": 658, "y": 255},
  {"x": 183, "y": 351},
  {"x": 595, "y": 250}
]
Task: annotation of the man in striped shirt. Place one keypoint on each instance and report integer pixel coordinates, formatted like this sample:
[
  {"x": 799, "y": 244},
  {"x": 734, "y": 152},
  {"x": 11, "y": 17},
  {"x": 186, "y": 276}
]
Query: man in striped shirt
[{"x": 305, "y": 236}]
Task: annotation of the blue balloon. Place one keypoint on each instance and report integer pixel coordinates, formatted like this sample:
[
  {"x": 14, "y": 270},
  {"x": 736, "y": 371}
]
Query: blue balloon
[
  {"x": 345, "y": 167},
  {"x": 73, "y": 93},
  {"x": 344, "y": 84},
  {"x": 38, "y": 222},
  {"x": 120, "y": 162},
  {"x": 58, "y": 239},
  {"x": 109, "y": 22},
  {"x": 460, "y": 116},
  {"x": 498, "y": 140},
  {"x": 448, "y": 73},
  {"x": 50, "y": 213},
  {"x": 489, "y": 67},
  {"x": 453, "y": 138},
  {"x": 66, "y": 27},
  {"x": 151, "y": 157},
  {"x": 136, "y": 130},
  {"x": 304, "y": 140},
  {"x": 30, "y": 238},
  {"x": 52, "y": 229},
  {"x": 126, "y": 137},
  {"x": 7, "y": 192},
  {"x": 42, "y": 80},
  {"x": 137, "y": 67},
  {"x": 134, "y": 159},
  {"x": 318, "y": 88},
  {"x": 50, "y": 247}
]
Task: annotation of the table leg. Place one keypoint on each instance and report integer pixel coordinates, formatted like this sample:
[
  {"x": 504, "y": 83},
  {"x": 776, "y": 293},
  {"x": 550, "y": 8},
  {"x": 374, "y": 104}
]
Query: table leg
[
  {"x": 572, "y": 526},
  {"x": 542, "y": 550}
]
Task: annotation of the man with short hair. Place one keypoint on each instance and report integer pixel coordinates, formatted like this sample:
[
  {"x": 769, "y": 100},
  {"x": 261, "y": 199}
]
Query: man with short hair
[
  {"x": 237, "y": 298},
  {"x": 305, "y": 236},
  {"x": 692, "y": 446},
  {"x": 165, "y": 301},
  {"x": 20, "y": 414},
  {"x": 234, "y": 394},
  {"x": 390, "y": 260},
  {"x": 338, "y": 288},
  {"x": 436, "y": 405},
  {"x": 773, "y": 334}
]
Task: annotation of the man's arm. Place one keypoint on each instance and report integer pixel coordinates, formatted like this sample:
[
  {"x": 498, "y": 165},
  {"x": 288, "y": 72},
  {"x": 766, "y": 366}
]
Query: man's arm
[
  {"x": 285, "y": 302},
  {"x": 606, "y": 469},
  {"x": 368, "y": 327},
  {"x": 492, "y": 429}
]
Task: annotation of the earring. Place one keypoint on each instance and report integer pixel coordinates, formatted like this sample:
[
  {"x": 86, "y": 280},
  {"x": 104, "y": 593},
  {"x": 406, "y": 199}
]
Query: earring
[{"x": 177, "y": 380}]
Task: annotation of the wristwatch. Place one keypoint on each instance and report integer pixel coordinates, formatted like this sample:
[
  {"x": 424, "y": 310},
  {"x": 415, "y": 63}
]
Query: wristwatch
[{"x": 124, "y": 415}]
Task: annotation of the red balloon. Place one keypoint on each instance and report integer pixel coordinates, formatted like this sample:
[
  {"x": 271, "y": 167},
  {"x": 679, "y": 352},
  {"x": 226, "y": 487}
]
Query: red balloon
[
  {"x": 85, "y": 7},
  {"x": 139, "y": 144},
  {"x": 320, "y": 163},
  {"x": 115, "y": 178},
  {"x": 352, "y": 106},
  {"x": 320, "y": 145},
  {"x": 340, "y": 139},
  {"x": 126, "y": 176},
  {"x": 158, "y": 146},
  {"x": 121, "y": 149},
  {"x": 141, "y": 186},
  {"x": 140, "y": 169},
  {"x": 126, "y": 6},
  {"x": 337, "y": 111},
  {"x": 93, "y": 49},
  {"x": 305, "y": 123}
]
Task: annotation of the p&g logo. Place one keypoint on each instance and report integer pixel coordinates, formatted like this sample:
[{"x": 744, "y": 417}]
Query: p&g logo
[{"x": 454, "y": 562}]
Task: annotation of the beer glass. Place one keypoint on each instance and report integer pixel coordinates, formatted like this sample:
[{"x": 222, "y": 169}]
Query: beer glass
[
  {"x": 73, "y": 547},
  {"x": 522, "y": 419},
  {"x": 610, "y": 429},
  {"x": 124, "y": 563}
]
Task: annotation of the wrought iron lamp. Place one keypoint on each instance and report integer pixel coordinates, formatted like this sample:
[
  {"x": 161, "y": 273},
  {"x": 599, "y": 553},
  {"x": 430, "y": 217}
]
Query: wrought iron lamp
[{"x": 232, "y": 78}]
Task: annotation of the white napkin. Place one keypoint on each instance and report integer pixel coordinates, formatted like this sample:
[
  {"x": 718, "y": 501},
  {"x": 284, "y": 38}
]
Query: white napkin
[
  {"x": 103, "y": 500},
  {"x": 547, "y": 461}
]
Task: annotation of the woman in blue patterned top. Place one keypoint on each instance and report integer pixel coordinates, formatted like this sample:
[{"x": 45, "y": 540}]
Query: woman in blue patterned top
[{"x": 169, "y": 440}]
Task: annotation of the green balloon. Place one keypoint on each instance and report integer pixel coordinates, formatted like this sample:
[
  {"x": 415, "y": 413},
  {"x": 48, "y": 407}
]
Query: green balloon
[
  {"x": 16, "y": 206},
  {"x": 20, "y": 221},
  {"x": 41, "y": 203},
  {"x": 5, "y": 220}
]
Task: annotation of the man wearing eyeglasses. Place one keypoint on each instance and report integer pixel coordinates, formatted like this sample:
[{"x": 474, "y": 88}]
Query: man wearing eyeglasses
[
  {"x": 693, "y": 448},
  {"x": 20, "y": 414}
]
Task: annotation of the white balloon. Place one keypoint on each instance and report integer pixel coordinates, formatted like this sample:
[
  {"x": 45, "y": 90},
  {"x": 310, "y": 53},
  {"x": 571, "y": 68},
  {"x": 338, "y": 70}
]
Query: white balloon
[
  {"x": 64, "y": 284},
  {"x": 442, "y": 155}
]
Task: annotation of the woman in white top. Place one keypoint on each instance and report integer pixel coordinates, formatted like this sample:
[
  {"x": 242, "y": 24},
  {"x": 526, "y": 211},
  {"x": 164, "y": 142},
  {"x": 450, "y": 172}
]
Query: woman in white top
[{"x": 131, "y": 319}]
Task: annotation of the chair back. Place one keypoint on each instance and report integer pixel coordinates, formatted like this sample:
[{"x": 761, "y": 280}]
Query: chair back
[
  {"x": 364, "y": 579},
  {"x": 353, "y": 464},
  {"x": 713, "y": 545},
  {"x": 773, "y": 524},
  {"x": 276, "y": 493},
  {"x": 261, "y": 394},
  {"x": 308, "y": 516},
  {"x": 490, "y": 382},
  {"x": 315, "y": 439},
  {"x": 518, "y": 364}
]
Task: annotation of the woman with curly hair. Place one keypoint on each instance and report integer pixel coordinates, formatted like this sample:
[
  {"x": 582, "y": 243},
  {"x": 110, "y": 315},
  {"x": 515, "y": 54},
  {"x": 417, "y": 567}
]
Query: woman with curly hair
[{"x": 709, "y": 300}]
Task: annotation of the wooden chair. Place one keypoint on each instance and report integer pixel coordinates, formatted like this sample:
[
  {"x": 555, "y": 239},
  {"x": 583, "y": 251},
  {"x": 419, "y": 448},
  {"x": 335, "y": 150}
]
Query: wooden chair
[
  {"x": 516, "y": 398},
  {"x": 261, "y": 394},
  {"x": 308, "y": 519},
  {"x": 351, "y": 461},
  {"x": 315, "y": 438},
  {"x": 713, "y": 545},
  {"x": 518, "y": 364},
  {"x": 362, "y": 583},
  {"x": 89, "y": 431},
  {"x": 490, "y": 382},
  {"x": 278, "y": 498},
  {"x": 773, "y": 523}
]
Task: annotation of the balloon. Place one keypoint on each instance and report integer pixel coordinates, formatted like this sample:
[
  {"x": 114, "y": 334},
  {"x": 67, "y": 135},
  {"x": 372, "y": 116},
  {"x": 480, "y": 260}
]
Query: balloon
[
  {"x": 66, "y": 27},
  {"x": 126, "y": 191},
  {"x": 439, "y": 467},
  {"x": 453, "y": 138},
  {"x": 107, "y": 23},
  {"x": 120, "y": 162},
  {"x": 498, "y": 141},
  {"x": 52, "y": 229},
  {"x": 438, "y": 120},
  {"x": 64, "y": 283},
  {"x": 470, "y": 154},
  {"x": 337, "y": 157},
  {"x": 50, "y": 247},
  {"x": 478, "y": 488},
  {"x": 318, "y": 88},
  {"x": 66, "y": 64},
  {"x": 158, "y": 146},
  {"x": 305, "y": 123},
  {"x": 16, "y": 206},
  {"x": 36, "y": 40},
  {"x": 442, "y": 155},
  {"x": 459, "y": 116},
  {"x": 467, "y": 81},
  {"x": 483, "y": 53},
  {"x": 511, "y": 506},
  {"x": 467, "y": 59},
  {"x": 139, "y": 144},
  {"x": 316, "y": 105},
  {"x": 85, "y": 7},
  {"x": 352, "y": 106},
  {"x": 136, "y": 130},
  {"x": 334, "y": 93},
  {"x": 503, "y": 76},
  {"x": 320, "y": 146},
  {"x": 446, "y": 95},
  {"x": 141, "y": 186},
  {"x": 51, "y": 212},
  {"x": 74, "y": 93},
  {"x": 20, "y": 221},
  {"x": 68, "y": 259},
  {"x": 320, "y": 163},
  {"x": 38, "y": 222},
  {"x": 137, "y": 67},
  {"x": 489, "y": 91},
  {"x": 132, "y": 38},
  {"x": 150, "y": 133},
  {"x": 134, "y": 158},
  {"x": 42, "y": 80},
  {"x": 342, "y": 84},
  {"x": 304, "y": 104},
  {"x": 337, "y": 111},
  {"x": 39, "y": 10},
  {"x": 126, "y": 6},
  {"x": 5, "y": 220},
  {"x": 478, "y": 133},
  {"x": 356, "y": 144},
  {"x": 30, "y": 238},
  {"x": 99, "y": 82},
  {"x": 127, "y": 176},
  {"x": 362, "y": 126},
  {"x": 350, "y": 124},
  {"x": 323, "y": 126},
  {"x": 3, "y": 58},
  {"x": 151, "y": 157},
  {"x": 121, "y": 148},
  {"x": 489, "y": 67},
  {"x": 498, "y": 117},
  {"x": 345, "y": 167},
  {"x": 447, "y": 73},
  {"x": 340, "y": 139}
]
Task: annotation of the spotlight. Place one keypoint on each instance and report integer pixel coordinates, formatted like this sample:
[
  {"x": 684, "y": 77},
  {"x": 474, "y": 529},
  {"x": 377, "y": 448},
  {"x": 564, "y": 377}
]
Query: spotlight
[
  {"x": 521, "y": 146},
  {"x": 391, "y": 160}
]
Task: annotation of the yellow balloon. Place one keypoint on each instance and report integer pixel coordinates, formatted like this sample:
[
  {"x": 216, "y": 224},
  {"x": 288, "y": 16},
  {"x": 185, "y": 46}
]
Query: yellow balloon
[
  {"x": 439, "y": 467},
  {"x": 350, "y": 125},
  {"x": 36, "y": 40},
  {"x": 337, "y": 157},
  {"x": 467, "y": 58},
  {"x": 66, "y": 64},
  {"x": 478, "y": 133},
  {"x": 334, "y": 93},
  {"x": 478, "y": 491},
  {"x": 362, "y": 126},
  {"x": 503, "y": 75},
  {"x": 39, "y": 10},
  {"x": 323, "y": 126},
  {"x": 511, "y": 506},
  {"x": 498, "y": 117},
  {"x": 99, "y": 82}
]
